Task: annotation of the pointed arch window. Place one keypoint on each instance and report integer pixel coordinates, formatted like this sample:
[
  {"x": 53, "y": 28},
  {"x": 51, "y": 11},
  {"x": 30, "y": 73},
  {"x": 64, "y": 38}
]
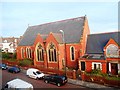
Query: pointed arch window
[
  {"x": 72, "y": 53},
  {"x": 40, "y": 53},
  {"x": 29, "y": 53},
  {"x": 52, "y": 53}
]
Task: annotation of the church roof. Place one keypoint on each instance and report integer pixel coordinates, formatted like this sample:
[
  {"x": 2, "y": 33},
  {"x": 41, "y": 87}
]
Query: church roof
[
  {"x": 72, "y": 28},
  {"x": 58, "y": 37},
  {"x": 97, "y": 42}
]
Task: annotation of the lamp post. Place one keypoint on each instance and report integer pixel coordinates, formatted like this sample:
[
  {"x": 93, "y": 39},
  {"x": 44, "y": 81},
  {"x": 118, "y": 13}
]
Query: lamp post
[{"x": 63, "y": 37}]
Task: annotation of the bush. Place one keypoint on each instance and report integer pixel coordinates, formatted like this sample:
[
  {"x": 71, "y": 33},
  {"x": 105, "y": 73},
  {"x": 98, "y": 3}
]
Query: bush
[
  {"x": 6, "y": 55},
  {"x": 12, "y": 60},
  {"x": 97, "y": 72},
  {"x": 26, "y": 62}
]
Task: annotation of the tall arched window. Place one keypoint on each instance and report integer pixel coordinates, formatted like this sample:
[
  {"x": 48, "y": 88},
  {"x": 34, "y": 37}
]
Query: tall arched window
[
  {"x": 112, "y": 51},
  {"x": 72, "y": 53},
  {"x": 22, "y": 53},
  {"x": 29, "y": 53},
  {"x": 52, "y": 53},
  {"x": 40, "y": 53}
]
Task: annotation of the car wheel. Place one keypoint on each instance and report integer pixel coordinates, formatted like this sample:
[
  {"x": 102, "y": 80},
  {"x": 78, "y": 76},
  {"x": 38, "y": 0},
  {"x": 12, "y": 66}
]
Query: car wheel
[
  {"x": 58, "y": 84},
  {"x": 46, "y": 81}
]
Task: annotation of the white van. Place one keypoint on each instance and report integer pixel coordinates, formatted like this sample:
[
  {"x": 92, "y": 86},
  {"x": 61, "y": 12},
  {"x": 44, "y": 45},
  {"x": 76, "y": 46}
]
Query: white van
[
  {"x": 34, "y": 73},
  {"x": 18, "y": 84}
]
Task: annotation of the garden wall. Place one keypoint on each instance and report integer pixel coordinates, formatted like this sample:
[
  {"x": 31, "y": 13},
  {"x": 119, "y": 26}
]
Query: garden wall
[
  {"x": 100, "y": 80},
  {"x": 70, "y": 74}
]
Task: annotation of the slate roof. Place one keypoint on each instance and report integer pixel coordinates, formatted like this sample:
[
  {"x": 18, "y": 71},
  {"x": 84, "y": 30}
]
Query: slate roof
[
  {"x": 58, "y": 37},
  {"x": 44, "y": 36},
  {"x": 72, "y": 28},
  {"x": 96, "y": 42}
]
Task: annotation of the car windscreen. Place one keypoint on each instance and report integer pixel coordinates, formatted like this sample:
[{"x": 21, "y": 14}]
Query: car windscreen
[{"x": 38, "y": 72}]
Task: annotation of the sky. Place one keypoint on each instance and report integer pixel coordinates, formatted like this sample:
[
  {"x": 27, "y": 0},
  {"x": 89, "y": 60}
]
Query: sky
[{"x": 16, "y": 16}]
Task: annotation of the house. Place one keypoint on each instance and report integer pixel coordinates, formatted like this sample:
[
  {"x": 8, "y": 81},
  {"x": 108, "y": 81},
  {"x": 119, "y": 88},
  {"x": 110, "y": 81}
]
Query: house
[
  {"x": 102, "y": 52},
  {"x": 9, "y": 44},
  {"x": 50, "y": 48}
]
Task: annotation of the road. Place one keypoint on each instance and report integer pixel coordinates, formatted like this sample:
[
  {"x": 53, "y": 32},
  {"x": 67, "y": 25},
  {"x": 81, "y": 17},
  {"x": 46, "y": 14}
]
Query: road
[{"x": 7, "y": 76}]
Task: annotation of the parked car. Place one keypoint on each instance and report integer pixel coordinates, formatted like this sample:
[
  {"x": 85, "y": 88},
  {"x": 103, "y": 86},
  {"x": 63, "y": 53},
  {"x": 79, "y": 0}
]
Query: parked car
[
  {"x": 14, "y": 69},
  {"x": 56, "y": 79},
  {"x": 18, "y": 84},
  {"x": 35, "y": 73},
  {"x": 3, "y": 66}
]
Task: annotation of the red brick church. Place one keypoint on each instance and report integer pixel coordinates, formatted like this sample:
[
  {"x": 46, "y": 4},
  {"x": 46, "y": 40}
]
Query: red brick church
[
  {"x": 50, "y": 48},
  {"x": 69, "y": 43}
]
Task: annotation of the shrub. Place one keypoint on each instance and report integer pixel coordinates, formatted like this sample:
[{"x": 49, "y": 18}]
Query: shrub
[
  {"x": 25, "y": 62},
  {"x": 12, "y": 60},
  {"x": 113, "y": 78},
  {"x": 6, "y": 55},
  {"x": 96, "y": 72}
]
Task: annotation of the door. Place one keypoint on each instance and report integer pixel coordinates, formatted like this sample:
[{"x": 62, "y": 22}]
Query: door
[
  {"x": 83, "y": 66},
  {"x": 114, "y": 68}
]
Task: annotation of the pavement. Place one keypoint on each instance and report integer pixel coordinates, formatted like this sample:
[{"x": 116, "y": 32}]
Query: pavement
[{"x": 91, "y": 85}]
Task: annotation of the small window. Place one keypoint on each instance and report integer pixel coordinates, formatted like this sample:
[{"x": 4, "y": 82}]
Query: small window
[
  {"x": 98, "y": 66},
  {"x": 95, "y": 66},
  {"x": 72, "y": 53}
]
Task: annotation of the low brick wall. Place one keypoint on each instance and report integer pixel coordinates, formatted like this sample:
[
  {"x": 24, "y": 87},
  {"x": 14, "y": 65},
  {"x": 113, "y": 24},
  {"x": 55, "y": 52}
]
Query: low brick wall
[
  {"x": 69, "y": 74},
  {"x": 100, "y": 80},
  {"x": 10, "y": 63}
]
